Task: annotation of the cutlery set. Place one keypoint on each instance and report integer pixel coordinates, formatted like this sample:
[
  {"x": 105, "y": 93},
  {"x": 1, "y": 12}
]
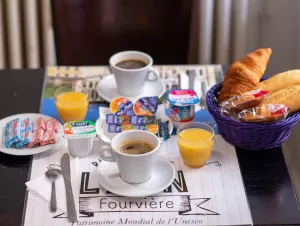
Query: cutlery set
[{"x": 53, "y": 174}]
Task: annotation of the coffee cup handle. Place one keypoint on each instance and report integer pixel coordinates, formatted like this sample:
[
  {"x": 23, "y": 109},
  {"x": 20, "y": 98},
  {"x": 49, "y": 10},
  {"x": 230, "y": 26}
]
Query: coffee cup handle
[
  {"x": 106, "y": 154},
  {"x": 152, "y": 75}
]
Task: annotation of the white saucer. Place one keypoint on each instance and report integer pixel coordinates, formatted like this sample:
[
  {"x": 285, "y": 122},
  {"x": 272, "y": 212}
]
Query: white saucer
[
  {"x": 26, "y": 150},
  {"x": 162, "y": 177},
  {"x": 107, "y": 89}
]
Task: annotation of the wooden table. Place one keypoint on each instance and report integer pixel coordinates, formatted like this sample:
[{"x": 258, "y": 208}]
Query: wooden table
[{"x": 267, "y": 182}]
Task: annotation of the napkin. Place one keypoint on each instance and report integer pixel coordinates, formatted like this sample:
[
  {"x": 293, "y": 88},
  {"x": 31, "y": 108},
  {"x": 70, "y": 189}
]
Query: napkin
[{"x": 41, "y": 186}]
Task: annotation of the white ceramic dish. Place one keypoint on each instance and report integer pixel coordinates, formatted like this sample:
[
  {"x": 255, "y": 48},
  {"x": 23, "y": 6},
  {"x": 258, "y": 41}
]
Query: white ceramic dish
[
  {"x": 162, "y": 176},
  {"x": 102, "y": 127},
  {"x": 107, "y": 89},
  {"x": 26, "y": 150}
]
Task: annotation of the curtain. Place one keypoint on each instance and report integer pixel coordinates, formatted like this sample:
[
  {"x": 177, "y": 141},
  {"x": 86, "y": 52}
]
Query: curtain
[{"x": 218, "y": 31}]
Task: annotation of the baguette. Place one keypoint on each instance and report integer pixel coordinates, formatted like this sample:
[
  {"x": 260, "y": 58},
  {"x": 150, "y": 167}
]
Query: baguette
[
  {"x": 289, "y": 96},
  {"x": 281, "y": 81}
]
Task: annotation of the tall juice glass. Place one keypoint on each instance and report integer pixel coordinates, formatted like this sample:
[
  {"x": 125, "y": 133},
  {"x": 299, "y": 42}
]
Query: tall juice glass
[
  {"x": 195, "y": 141},
  {"x": 71, "y": 105}
]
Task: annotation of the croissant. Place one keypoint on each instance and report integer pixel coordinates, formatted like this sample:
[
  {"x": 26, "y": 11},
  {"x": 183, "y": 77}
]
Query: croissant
[{"x": 244, "y": 75}]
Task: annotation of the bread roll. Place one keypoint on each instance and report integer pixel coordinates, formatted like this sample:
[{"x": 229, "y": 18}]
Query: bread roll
[
  {"x": 265, "y": 113},
  {"x": 281, "y": 81},
  {"x": 244, "y": 101},
  {"x": 289, "y": 96}
]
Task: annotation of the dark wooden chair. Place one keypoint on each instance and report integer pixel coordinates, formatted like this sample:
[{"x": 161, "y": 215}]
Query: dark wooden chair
[{"x": 88, "y": 32}]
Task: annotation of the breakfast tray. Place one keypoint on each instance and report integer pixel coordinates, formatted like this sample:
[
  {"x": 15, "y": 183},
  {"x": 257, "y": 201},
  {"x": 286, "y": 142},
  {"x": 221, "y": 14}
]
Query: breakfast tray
[{"x": 211, "y": 195}]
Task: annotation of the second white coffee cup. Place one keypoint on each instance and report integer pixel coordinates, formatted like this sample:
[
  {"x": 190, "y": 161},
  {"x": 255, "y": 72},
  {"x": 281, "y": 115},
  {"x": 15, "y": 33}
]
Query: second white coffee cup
[
  {"x": 133, "y": 169},
  {"x": 130, "y": 82}
]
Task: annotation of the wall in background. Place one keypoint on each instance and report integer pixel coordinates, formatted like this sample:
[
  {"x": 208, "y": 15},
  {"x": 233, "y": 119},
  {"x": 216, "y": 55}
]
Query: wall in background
[
  {"x": 275, "y": 24},
  {"x": 26, "y": 34}
]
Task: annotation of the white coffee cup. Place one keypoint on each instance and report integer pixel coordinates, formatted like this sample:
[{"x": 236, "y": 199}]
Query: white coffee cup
[
  {"x": 134, "y": 169},
  {"x": 130, "y": 82}
]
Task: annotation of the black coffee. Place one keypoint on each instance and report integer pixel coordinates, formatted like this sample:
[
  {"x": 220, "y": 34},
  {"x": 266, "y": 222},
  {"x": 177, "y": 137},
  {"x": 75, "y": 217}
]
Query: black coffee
[
  {"x": 131, "y": 64},
  {"x": 135, "y": 147}
]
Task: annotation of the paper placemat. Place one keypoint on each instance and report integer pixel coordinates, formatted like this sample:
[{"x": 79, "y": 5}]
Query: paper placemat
[{"x": 211, "y": 195}]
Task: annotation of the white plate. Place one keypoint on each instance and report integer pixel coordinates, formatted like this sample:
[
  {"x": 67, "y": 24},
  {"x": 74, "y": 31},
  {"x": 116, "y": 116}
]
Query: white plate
[
  {"x": 26, "y": 150},
  {"x": 107, "y": 89},
  {"x": 102, "y": 127},
  {"x": 162, "y": 176}
]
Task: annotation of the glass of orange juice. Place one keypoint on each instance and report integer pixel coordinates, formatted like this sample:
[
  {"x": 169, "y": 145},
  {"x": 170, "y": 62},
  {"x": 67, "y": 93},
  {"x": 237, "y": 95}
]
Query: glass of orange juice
[
  {"x": 71, "y": 105},
  {"x": 195, "y": 141}
]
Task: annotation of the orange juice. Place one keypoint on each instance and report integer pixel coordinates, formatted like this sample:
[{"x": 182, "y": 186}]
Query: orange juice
[
  {"x": 195, "y": 146},
  {"x": 71, "y": 106}
]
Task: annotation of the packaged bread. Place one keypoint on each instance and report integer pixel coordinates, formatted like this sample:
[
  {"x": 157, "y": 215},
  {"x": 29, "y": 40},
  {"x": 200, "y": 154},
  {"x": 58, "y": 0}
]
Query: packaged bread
[
  {"x": 289, "y": 96},
  {"x": 281, "y": 81},
  {"x": 244, "y": 101},
  {"x": 266, "y": 113}
]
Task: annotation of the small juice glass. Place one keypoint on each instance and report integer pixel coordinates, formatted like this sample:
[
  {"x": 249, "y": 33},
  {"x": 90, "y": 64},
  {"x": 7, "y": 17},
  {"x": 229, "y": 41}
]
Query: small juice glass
[
  {"x": 71, "y": 105},
  {"x": 195, "y": 141}
]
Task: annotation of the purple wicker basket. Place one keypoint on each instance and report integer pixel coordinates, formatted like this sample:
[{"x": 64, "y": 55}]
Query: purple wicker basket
[{"x": 250, "y": 136}]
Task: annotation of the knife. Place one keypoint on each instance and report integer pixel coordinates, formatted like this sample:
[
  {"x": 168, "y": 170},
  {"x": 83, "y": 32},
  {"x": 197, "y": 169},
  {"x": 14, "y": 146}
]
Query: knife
[{"x": 65, "y": 167}]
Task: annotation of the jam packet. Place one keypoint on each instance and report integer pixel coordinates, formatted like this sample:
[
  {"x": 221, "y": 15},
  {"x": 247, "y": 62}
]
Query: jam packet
[
  {"x": 266, "y": 113},
  {"x": 146, "y": 106},
  {"x": 244, "y": 101},
  {"x": 121, "y": 106}
]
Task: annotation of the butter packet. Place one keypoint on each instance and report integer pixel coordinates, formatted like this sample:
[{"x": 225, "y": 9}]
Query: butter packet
[
  {"x": 112, "y": 119},
  {"x": 152, "y": 128},
  {"x": 163, "y": 133},
  {"x": 143, "y": 120}
]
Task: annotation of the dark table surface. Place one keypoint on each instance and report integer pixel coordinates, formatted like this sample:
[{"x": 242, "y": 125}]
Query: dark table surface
[{"x": 267, "y": 182}]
